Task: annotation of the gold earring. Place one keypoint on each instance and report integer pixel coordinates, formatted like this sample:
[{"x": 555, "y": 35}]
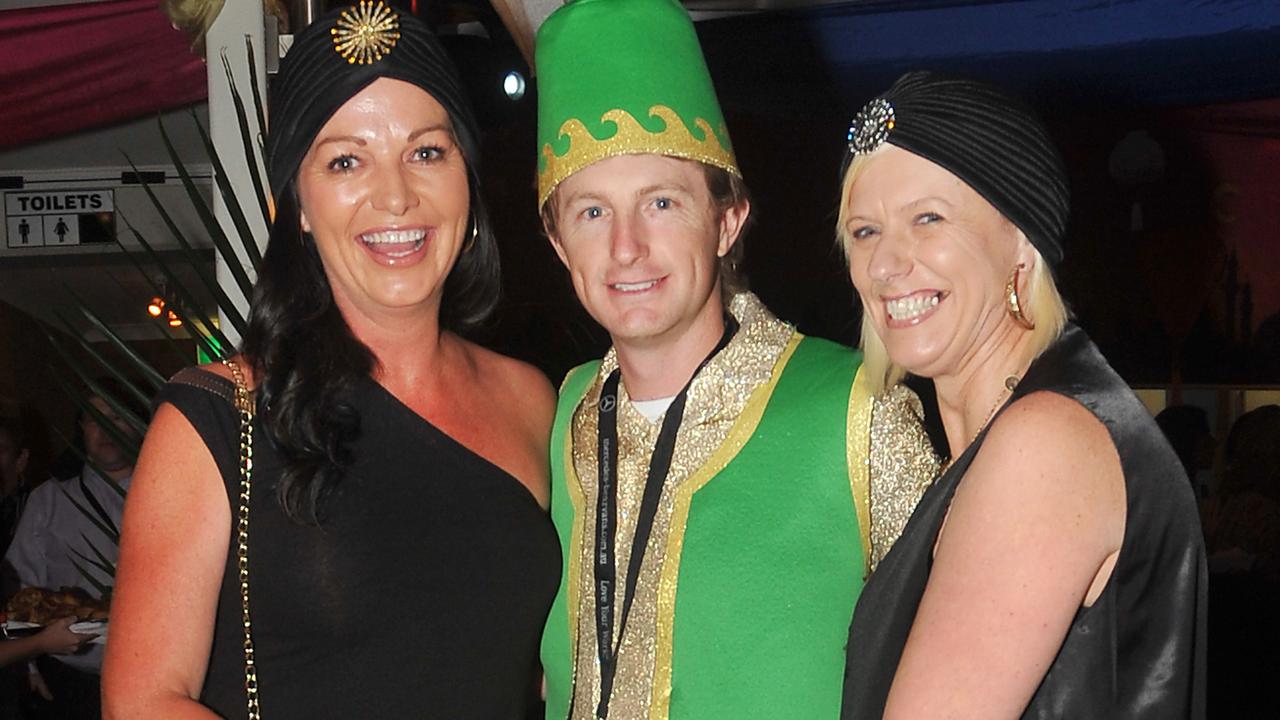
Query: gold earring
[
  {"x": 1015, "y": 305},
  {"x": 471, "y": 241}
]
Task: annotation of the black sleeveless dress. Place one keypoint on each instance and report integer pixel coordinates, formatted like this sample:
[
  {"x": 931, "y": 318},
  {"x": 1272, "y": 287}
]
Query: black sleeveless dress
[
  {"x": 423, "y": 594},
  {"x": 1139, "y": 650}
]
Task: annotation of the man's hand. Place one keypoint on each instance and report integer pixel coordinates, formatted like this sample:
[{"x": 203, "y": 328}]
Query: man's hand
[{"x": 58, "y": 639}]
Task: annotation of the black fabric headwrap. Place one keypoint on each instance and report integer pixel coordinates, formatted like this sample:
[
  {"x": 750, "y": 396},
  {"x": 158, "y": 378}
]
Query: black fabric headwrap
[
  {"x": 315, "y": 80},
  {"x": 991, "y": 141}
]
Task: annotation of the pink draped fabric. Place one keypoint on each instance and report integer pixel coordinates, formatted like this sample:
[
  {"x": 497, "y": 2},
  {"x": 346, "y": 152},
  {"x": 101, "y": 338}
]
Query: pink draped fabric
[{"x": 68, "y": 68}]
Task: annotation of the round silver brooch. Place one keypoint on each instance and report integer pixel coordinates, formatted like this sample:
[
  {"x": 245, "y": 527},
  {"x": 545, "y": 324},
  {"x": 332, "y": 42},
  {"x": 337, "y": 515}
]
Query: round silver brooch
[{"x": 871, "y": 126}]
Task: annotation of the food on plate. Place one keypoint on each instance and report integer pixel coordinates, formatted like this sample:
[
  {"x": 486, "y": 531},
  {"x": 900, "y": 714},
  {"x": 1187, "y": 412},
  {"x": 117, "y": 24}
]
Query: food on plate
[{"x": 42, "y": 605}]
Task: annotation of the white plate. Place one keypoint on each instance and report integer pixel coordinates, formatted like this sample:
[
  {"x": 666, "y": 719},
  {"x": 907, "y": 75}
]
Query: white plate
[{"x": 97, "y": 628}]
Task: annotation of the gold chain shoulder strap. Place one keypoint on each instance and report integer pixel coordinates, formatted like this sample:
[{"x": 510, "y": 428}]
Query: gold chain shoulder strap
[{"x": 244, "y": 408}]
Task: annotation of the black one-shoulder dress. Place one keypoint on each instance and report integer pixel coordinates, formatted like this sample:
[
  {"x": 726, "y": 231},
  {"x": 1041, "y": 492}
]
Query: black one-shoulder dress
[
  {"x": 421, "y": 595},
  {"x": 1139, "y": 650}
]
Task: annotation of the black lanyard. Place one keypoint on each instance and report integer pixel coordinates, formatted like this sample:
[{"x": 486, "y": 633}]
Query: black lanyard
[{"x": 607, "y": 514}]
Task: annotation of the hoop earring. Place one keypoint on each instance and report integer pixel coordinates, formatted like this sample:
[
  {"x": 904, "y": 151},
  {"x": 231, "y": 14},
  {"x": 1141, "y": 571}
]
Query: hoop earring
[
  {"x": 471, "y": 241},
  {"x": 1015, "y": 305}
]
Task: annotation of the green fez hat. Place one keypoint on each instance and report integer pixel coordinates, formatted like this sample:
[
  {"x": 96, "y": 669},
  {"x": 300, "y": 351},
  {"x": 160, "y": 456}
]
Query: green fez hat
[{"x": 623, "y": 77}]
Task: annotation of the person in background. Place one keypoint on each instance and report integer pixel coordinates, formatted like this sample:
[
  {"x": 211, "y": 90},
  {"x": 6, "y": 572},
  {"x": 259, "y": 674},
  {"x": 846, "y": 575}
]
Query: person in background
[
  {"x": 1242, "y": 518},
  {"x": 1056, "y": 568},
  {"x": 57, "y": 638},
  {"x": 69, "y": 528},
  {"x": 1242, "y": 528},
  {"x": 396, "y": 553},
  {"x": 1187, "y": 429},
  {"x": 722, "y": 484}
]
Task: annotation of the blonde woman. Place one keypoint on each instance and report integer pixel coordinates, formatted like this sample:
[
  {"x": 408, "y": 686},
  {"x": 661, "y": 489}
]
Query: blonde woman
[{"x": 1056, "y": 569}]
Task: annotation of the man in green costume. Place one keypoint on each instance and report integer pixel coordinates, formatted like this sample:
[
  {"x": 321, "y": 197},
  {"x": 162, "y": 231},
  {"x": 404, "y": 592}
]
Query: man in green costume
[{"x": 714, "y": 486}]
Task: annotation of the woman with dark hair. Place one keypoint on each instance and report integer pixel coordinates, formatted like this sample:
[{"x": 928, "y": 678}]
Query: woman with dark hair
[
  {"x": 1056, "y": 568},
  {"x": 394, "y": 558}
]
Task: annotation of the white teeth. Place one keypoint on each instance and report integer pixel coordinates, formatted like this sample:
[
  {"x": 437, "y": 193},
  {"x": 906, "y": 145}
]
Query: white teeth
[
  {"x": 910, "y": 307},
  {"x": 634, "y": 287},
  {"x": 394, "y": 237}
]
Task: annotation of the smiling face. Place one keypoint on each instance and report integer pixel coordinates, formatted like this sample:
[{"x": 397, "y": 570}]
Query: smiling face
[
  {"x": 930, "y": 258},
  {"x": 642, "y": 239},
  {"x": 384, "y": 194}
]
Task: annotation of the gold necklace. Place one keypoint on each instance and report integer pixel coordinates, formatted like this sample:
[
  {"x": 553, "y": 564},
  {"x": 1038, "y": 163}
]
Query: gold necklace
[{"x": 1010, "y": 383}]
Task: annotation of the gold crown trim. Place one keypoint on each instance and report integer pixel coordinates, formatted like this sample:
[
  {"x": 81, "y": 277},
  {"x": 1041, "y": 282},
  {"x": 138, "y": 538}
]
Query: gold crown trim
[
  {"x": 366, "y": 32},
  {"x": 631, "y": 139}
]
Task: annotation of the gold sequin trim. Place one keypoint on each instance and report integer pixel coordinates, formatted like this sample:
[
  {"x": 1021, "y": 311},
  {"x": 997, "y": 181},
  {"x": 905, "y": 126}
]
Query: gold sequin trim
[
  {"x": 366, "y": 32},
  {"x": 902, "y": 466},
  {"x": 718, "y": 402},
  {"x": 632, "y": 139},
  {"x": 857, "y": 442}
]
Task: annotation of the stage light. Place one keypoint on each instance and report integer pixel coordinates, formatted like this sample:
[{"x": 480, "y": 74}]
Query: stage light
[
  {"x": 513, "y": 85},
  {"x": 174, "y": 320},
  {"x": 156, "y": 307}
]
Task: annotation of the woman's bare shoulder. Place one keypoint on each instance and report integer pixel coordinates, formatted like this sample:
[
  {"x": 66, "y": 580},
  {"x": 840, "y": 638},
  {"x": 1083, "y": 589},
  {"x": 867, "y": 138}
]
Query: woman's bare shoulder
[
  {"x": 518, "y": 397},
  {"x": 1054, "y": 430},
  {"x": 1049, "y": 456},
  {"x": 528, "y": 387}
]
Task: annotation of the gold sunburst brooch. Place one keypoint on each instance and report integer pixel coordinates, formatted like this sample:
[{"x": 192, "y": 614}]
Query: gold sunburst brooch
[{"x": 366, "y": 32}]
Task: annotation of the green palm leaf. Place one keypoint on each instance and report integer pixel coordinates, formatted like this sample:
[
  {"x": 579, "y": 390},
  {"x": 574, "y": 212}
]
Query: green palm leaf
[
  {"x": 102, "y": 589},
  {"x": 247, "y": 136},
  {"x": 103, "y": 561},
  {"x": 160, "y": 292},
  {"x": 258, "y": 105},
  {"x": 101, "y": 522},
  {"x": 187, "y": 300},
  {"x": 154, "y": 379},
  {"x": 141, "y": 396},
  {"x": 139, "y": 425},
  {"x": 229, "y": 197},
  {"x": 202, "y": 209},
  {"x": 192, "y": 256},
  {"x": 109, "y": 570}
]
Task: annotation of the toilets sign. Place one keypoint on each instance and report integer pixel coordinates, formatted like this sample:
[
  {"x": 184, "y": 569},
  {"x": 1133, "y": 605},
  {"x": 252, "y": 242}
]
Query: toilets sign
[{"x": 59, "y": 217}]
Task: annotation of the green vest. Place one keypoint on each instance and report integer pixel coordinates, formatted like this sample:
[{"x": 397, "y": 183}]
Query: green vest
[{"x": 771, "y": 558}]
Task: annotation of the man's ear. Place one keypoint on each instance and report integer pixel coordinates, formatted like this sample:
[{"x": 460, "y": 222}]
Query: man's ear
[
  {"x": 556, "y": 245},
  {"x": 23, "y": 458},
  {"x": 732, "y": 220}
]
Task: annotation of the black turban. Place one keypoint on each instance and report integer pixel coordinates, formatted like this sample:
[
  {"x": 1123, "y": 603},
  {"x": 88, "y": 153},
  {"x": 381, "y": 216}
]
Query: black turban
[
  {"x": 991, "y": 141},
  {"x": 340, "y": 54}
]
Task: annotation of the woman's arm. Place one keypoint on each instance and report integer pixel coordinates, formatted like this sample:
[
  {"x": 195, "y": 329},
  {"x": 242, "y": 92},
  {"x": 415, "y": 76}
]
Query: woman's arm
[
  {"x": 1031, "y": 535},
  {"x": 173, "y": 550}
]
